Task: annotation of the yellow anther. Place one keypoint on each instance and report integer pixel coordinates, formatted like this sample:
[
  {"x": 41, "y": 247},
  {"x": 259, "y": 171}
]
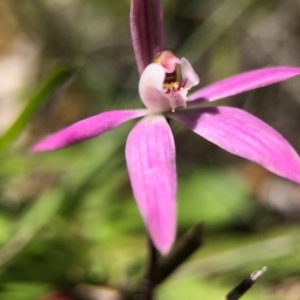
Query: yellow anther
[{"x": 172, "y": 86}]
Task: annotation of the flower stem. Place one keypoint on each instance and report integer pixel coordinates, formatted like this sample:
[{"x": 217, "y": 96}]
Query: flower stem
[
  {"x": 186, "y": 246},
  {"x": 150, "y": 280}
]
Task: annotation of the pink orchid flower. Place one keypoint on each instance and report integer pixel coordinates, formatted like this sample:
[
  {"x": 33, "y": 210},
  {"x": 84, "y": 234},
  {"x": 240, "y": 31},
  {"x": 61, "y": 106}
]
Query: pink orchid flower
[{"x": 150, "y": 150}]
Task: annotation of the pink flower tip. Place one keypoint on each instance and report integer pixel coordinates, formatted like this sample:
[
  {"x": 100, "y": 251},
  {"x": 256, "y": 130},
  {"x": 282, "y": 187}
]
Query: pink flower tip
[{"x": 165, "y": 247}]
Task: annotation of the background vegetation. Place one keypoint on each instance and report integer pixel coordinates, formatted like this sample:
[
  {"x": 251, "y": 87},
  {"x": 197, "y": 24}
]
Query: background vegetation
[{"x": 69, "y": 227}]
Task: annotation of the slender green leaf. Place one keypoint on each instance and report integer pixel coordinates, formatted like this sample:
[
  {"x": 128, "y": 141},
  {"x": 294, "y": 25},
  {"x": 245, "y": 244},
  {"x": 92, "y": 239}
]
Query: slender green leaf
[{"x": 56, "y": 79}]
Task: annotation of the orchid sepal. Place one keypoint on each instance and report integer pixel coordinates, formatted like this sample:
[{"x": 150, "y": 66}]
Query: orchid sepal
[
  {"x": 242, "y": 134},
  {"x": 86, "y": 129},
  {"x": 153, "y": 177},
  {"x": 243, "y": 82}
]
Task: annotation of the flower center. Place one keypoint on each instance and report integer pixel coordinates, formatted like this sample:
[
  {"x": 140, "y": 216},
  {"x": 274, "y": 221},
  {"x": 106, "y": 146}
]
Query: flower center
[
  {"x": 164, "y": 84},
  {"x": 179, "y": 78}
]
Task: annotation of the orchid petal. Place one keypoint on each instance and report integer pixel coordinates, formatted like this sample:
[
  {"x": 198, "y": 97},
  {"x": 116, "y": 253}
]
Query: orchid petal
[
  {"x": 151, "y": 88},
  {"x": 86, "y": 129},
  {"x": 243, "y": 82},
  {"x": 244, "y": 135},
  {"x": 150, "y": 156},
  {"x": 146, "y": 24},
  {"x": 188, "y": 74}
]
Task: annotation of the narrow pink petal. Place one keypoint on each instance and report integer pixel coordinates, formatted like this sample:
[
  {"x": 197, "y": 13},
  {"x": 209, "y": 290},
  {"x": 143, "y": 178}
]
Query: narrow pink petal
[
  {"x": 188, "y": 73},
  {"x": 243, "y": 82},
  {"x": 86, "y": 129},
  {"x": 150, "y": 156},
  {"x": 244, "y": 135},
  {"x": 146, "y": 24}
]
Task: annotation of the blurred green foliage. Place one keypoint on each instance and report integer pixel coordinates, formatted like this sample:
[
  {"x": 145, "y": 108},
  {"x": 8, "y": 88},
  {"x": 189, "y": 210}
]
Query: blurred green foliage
[{"x": 68, "y": 218}]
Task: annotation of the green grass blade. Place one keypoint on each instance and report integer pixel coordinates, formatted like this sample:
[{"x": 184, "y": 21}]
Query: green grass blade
[{"x": 56, "y": 79}]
